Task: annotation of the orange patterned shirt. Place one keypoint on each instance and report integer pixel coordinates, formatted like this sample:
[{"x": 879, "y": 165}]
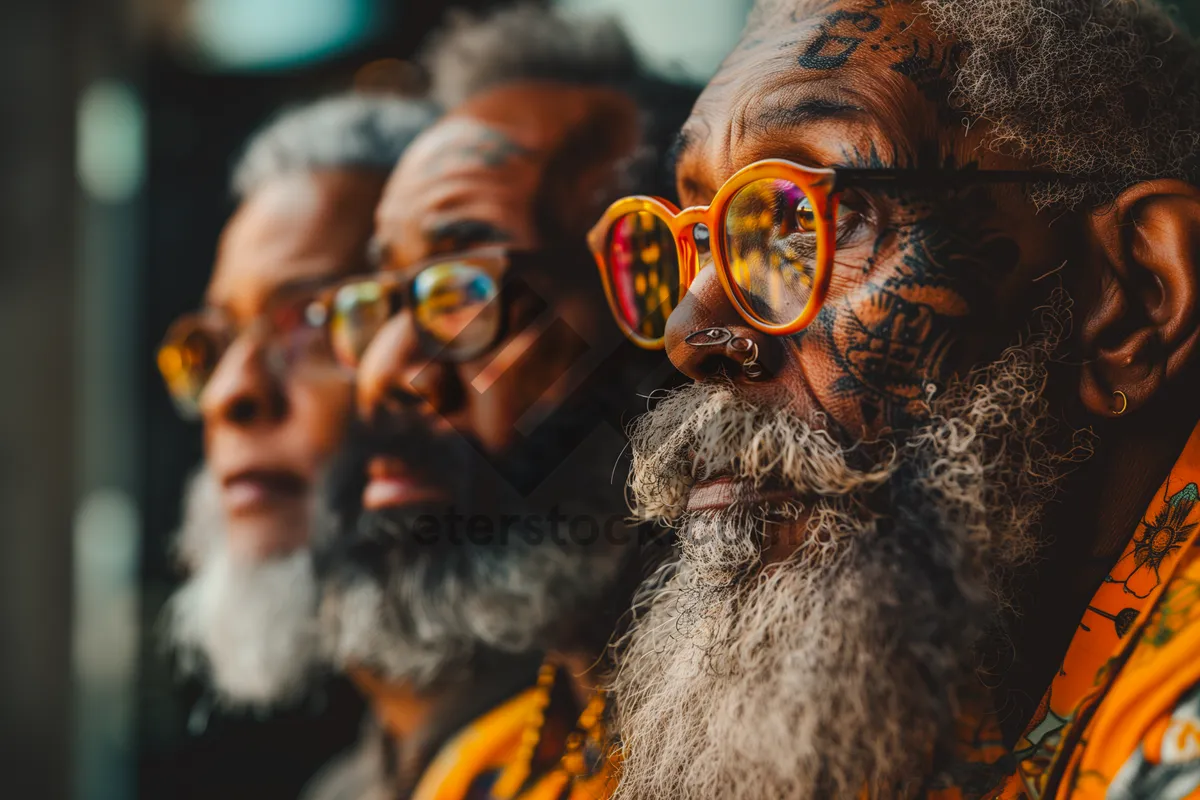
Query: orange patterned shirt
[{"x": 1121, "y": 719}]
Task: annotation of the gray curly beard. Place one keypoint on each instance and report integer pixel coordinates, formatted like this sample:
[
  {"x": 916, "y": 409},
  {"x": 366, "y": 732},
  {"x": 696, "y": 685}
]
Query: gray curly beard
[{"x": 836, "y": 669}]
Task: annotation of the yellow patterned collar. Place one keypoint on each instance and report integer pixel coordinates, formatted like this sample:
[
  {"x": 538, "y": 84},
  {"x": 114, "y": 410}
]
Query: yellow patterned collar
[
  {"x": 479, "y": 750},
  {"x": 561, "y": 760}
]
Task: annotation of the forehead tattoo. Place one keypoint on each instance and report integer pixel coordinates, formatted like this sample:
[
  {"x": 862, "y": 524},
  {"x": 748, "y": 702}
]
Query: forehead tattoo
[
  {"x": 832, "y": 34},
  {"x": 839, "y": 36},
  {"x": 845, "y": 30},
  {"x": 842, "y": 32}
]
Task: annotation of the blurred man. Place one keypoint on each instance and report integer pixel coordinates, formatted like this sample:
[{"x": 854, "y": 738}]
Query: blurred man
[
  {"x": 479, "y": 506},
  {"x": 251, "y": 365},
  {"x": 874, "y": 596}
]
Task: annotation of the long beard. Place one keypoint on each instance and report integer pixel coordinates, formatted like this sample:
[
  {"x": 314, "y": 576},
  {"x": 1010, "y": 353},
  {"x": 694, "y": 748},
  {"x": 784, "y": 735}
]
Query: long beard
[
  {"x": 422, "y": 609},
  {"x": 435, "y": 615},
  {"x": 839, "y": 668},
  {"x": 248, "y": 628}
]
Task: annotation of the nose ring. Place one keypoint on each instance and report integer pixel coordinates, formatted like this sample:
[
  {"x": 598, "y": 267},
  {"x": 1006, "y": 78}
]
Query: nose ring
[
  {"x": 714, "y": 337},
  {"x": 750, "y": 365}
]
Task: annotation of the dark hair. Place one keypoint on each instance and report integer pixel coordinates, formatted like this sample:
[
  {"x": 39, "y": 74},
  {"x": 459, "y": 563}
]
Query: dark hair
[{"x": 527, "y": 42}]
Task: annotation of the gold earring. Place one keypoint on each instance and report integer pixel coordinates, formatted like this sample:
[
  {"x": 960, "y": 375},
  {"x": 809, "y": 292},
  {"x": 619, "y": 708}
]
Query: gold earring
[{"x": 1124, "y": 403}]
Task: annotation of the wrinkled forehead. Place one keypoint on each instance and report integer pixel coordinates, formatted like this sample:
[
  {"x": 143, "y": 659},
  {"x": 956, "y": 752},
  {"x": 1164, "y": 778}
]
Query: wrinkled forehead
[
  {"x": 297, "y": 229},
  {"x": 822, "y": 83},
  {"x": 481, "y": 141},
  {"x": 461, "y": 159},
  {"x": 494, "y": 151}
]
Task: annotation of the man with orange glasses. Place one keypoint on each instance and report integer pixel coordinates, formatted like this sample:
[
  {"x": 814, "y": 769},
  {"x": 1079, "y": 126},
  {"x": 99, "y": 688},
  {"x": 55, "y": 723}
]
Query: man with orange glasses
[
  {"x": 479, "y": 505},
  {"x": 940, "y": 266}
]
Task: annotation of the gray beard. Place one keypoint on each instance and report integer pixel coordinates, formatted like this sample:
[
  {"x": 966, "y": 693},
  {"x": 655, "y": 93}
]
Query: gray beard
[
  {"x": 248, "y": 629},
  {"x": 433, "y": 613},
  {"x": 434, "y": 620},
  {"x": 837, "y": 669}
]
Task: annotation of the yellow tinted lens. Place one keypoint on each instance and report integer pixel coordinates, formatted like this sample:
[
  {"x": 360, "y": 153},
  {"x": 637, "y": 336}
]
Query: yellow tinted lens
[
  {"x": 358, "y": 311},
  {"x": 643, "y": 269},
  {"x": 454, "y": 306},
  {"x": 187, "y": 360},
  {"x": 771, "y": 245}
]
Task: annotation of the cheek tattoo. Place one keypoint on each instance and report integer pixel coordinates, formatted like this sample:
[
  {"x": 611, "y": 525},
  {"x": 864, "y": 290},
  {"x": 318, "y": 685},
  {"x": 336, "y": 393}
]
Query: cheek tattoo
[{"x": 929, "y": 270}]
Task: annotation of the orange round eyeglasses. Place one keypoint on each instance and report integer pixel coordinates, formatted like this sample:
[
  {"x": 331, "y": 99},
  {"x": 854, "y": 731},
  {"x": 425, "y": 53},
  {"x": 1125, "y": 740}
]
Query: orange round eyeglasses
[{"x": 771, "y": 230}]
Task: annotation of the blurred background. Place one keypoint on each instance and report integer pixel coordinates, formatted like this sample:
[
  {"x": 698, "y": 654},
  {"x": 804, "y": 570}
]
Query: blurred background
[{"x": 121, "y": 119}]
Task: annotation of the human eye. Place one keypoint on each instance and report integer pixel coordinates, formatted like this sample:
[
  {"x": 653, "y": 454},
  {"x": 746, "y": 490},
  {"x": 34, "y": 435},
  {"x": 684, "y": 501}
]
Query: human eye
[{"x": 800, "y": 227}]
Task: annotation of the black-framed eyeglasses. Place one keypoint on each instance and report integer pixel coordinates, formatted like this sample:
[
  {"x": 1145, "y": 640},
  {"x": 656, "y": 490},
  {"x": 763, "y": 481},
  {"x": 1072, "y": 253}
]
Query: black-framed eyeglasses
[{"x": 457, "y": 302}]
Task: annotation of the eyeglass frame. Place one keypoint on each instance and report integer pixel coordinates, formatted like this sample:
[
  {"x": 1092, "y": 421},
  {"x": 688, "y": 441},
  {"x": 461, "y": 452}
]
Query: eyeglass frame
[
  {"x": 305, "y": 301},
  {"x": 401, "y": 282},
  {"x": 822, "y": 186},
  {"x": 318, "y": 313}
]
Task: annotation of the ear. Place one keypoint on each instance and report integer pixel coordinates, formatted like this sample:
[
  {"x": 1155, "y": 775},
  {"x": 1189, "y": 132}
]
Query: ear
[{"x": 1141, "y": 334}]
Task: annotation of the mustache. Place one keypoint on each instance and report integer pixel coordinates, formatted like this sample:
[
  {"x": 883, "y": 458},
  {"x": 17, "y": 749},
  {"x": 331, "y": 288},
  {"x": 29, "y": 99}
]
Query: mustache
[
  {"x": 708, "y": 430},
  {"x": 458, "y": 461},
  {"x": 366, "y": 542},
  {"x": 440, "y": 458}
]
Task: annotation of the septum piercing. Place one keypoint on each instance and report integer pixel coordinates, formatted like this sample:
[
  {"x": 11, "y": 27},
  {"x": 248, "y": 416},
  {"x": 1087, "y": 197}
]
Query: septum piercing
[
  {"x": 714, "y": 337},
  {"x": 750, "y": 366}
]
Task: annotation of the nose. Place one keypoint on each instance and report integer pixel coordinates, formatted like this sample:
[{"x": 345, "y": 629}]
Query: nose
[
  {"x": 242, "y": 391},
  {"x": 394, "y": 373},
  {"x": 707, "y": 338}
]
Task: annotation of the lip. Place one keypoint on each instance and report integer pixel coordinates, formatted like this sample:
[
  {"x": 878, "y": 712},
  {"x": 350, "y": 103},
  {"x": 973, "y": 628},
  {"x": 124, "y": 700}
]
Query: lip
[
  {"x": 393, "y": 484},
  {"x": 719, "y": 493},
  {"x": 252, "y": 490}
]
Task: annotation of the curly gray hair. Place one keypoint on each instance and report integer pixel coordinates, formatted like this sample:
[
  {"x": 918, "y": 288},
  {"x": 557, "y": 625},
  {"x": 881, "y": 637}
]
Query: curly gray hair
[
  {"x": 1089, "y": 87},
  {"x": 352, "y": 130},
  {"x": 1093, "y": 87}
]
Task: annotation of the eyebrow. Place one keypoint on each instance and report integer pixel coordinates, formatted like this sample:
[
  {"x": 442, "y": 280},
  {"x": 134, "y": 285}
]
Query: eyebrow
[
  {"x": 303, "y": 284},
  {"x": 284, "y": 291},
  {"x": 376, "y": 252},
  {"x": 806, "y": 112},
  {"x": 948, "y": 178},
  {"x": 462, "y": 233}
]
